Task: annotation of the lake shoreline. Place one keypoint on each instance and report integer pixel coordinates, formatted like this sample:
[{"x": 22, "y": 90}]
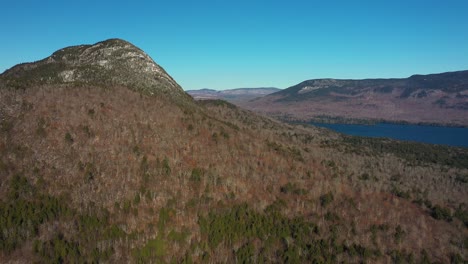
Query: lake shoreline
[
  {"x": 368, "y": 122},
  {"x": 439, "y": 135}
]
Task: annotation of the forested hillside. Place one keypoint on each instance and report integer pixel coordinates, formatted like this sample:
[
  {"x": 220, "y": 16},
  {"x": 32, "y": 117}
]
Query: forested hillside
[{"x": 432, "y": 99}]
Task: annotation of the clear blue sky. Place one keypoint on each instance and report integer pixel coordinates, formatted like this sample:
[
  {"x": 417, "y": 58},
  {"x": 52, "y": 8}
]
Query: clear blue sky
[{"x": 228, "y": 44}]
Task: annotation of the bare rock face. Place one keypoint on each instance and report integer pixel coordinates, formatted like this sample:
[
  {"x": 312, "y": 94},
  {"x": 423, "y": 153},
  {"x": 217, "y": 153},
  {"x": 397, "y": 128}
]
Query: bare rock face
[{"x": 110, "y": 62}]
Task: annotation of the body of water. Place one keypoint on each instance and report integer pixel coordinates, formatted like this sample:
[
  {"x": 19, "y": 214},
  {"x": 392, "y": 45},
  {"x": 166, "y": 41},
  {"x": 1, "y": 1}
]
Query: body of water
[{"x": 452, "y": 136}]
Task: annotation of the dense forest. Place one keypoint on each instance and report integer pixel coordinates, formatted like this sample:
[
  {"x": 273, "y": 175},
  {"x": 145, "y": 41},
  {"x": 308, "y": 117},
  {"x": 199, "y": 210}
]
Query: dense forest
[{"x": 93, "y": 174}]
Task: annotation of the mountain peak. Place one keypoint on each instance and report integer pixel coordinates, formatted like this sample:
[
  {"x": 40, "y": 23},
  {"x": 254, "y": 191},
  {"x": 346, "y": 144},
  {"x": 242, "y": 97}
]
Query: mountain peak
[{"x": 109, "y": 62}]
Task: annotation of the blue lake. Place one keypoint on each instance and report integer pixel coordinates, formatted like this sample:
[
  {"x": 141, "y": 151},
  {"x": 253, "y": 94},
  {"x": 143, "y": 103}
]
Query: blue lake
[{"x": 452, "y": 136}]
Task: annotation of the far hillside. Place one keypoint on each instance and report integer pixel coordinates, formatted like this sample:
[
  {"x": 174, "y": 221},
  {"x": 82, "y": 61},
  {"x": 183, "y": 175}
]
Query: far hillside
[{"x": 434, "y": 98}]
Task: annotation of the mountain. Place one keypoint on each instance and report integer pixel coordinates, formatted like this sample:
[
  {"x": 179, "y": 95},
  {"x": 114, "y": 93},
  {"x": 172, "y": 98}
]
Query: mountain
[
  {"x": 434, "y": 98},
  {"x": 110, "y": 62},
  {"x": 103, "y": 168},
  {"x": 232, "y": 95}
]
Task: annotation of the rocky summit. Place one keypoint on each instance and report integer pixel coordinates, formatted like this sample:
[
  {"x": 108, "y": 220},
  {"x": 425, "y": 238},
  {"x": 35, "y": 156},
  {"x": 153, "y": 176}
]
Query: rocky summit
[{"x": 110, "y": 62}]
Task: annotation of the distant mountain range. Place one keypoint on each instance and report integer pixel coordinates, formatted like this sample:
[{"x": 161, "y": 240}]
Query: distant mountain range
[
  {"x": 434, "y": 98},
  {"x": 232, "y": 95}
]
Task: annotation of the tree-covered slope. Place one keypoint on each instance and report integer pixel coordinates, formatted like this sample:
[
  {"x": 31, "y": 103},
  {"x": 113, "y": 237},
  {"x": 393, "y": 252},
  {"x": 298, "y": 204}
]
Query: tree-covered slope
[{"x": 434, "y": 98}]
